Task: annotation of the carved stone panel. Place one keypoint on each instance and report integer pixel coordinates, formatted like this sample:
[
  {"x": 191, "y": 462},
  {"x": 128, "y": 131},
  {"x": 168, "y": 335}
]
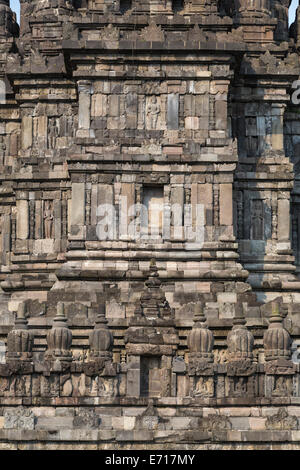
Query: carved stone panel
[{"x": 203, "y": 387}]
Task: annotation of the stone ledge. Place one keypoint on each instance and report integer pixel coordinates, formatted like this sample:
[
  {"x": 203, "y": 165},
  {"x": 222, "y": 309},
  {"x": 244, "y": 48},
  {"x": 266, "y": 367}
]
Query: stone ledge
[
  {"x": 142, "y": 402},
  {"x": 186, "y": 436}
]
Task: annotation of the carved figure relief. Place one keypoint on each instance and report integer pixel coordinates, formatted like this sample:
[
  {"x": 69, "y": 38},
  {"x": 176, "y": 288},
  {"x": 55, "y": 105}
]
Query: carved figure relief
[
  {"x": 4, "y": 385},
  {"x": 105, "y": 388},
  {"x": 94, "y": 386},
  {"x": 282, "y": 387},
  {"x": 153, "y": 111},
  {"x": 282, "y": 421},
  {"x": 220, "y": 356},
  {"x": 69, "y": 123},
  {"x": 52, "y": 133},
  {"x": 204, "y": 387},
  {"x": 238, "y": 386},
  {"x": 48, "y": 219}
]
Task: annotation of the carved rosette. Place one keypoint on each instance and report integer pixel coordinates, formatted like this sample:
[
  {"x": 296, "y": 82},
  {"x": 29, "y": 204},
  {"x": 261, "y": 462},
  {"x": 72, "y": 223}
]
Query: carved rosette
[
  {"x": 101, "y": 339},
  {"x": 59, "y": 338},
  {"x": 240, "y": 341},
  {"x": 277, "y": 341},
  {"x": 200, "y": 340},
  {"x": 20, "y": 339}
]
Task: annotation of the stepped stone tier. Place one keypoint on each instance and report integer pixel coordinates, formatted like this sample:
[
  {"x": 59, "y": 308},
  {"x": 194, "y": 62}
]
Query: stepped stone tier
[{"x": 149, "y": 225}]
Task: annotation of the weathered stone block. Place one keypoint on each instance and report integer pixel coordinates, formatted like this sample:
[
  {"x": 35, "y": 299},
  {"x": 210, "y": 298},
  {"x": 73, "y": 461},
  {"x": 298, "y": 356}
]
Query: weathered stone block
[{"x": 78, "y": 204}]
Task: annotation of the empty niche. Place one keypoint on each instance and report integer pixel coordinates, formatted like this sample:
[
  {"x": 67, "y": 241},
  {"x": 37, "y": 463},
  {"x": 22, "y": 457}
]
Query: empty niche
[
  {"x": 150, "y": 376},
  {"x": 125, "y": 5},
  {"x": 177, "y": 5},
  {"x": 152, "y": 218}
]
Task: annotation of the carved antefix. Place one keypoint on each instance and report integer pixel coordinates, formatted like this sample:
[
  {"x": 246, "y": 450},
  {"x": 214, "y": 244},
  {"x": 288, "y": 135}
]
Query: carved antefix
[
  {"x": 277, "y": 341},
  {"x": 241, "y": 377},
  {"x": 20, "y": 339},
  {"x": 59, "y": 338},
  {"x": 200, "y": 340},
  {"x": 239, "y": 340},
  {"x": 153, "y": 302},
  {"x": 101, "y": 339}
]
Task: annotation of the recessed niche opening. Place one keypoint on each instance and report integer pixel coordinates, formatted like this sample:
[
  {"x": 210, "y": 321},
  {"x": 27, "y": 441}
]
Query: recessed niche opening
[
  {"x": 125, "y": 5},
  {"x": 150, "y": 383},
  {"x": 152, "y": 217},
  {"x": 177, "y": 5}
]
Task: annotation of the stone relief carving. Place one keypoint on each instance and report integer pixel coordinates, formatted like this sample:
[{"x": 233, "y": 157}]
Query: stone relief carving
[
  {"x": 152, "y": 31},
  {"x": 283, "y": 386},
  {"x": 204, "y": 160},
  {"x": 48, "y": 219},
  {"x": 204, "y": 387},
  {"x": 281, "y": 421},
  {"x": 153, "y": 112},
  {"x": 21, "y": 418},
  {"x": 52, "y": 132}
]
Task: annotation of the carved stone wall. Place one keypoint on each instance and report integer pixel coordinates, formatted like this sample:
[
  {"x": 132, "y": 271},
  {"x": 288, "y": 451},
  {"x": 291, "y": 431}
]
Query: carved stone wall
[{"x": 149, "y": 169}]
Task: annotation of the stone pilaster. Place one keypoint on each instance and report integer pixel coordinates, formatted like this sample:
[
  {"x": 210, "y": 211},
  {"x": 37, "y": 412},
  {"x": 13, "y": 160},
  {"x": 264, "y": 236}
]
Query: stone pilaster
[{"x": 85, "y": 91}]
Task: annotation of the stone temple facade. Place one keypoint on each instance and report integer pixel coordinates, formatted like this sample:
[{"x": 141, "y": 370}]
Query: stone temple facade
[{"x": 150, "y": 225}]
